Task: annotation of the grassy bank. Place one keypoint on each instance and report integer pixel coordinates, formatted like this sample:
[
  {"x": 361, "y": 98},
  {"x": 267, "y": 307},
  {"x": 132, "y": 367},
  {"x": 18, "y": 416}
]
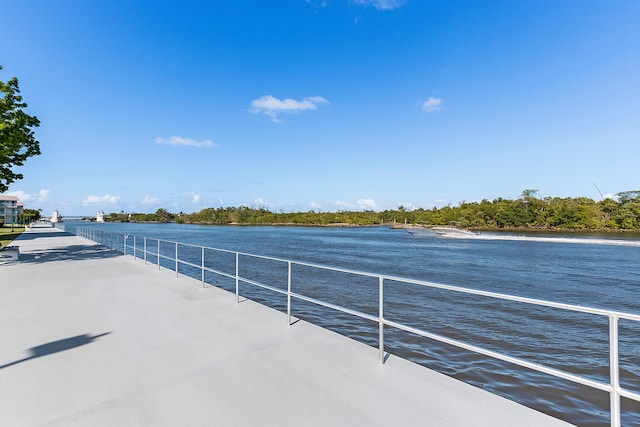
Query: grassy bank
[{"x": 7, "y": 235}]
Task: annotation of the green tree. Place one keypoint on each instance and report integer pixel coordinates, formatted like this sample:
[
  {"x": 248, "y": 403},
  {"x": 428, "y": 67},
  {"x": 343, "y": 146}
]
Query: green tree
[
  {"x": 628, "y": 214},
  {"x": 629, "y": 196},
  {"x": 29, "y": 215},
  {"x": 164, "y": 216},
  {"x": 17, "y": 140}
]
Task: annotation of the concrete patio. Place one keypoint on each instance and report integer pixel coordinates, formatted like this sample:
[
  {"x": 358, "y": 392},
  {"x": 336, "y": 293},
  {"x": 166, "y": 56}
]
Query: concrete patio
[{"x": 92, "y": 338}]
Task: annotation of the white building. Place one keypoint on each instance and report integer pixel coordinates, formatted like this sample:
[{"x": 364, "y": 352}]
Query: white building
[{"x": 10, "y": 208}]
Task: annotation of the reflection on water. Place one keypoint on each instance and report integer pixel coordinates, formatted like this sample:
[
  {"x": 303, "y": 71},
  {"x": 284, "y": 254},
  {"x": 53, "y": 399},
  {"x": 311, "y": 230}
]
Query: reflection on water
[{"x": 586, "y": 270}]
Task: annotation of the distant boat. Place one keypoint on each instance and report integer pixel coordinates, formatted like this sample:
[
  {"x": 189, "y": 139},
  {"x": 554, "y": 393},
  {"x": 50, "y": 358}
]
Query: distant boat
[
  {"x": 454, "y": 229},
  {"x": 55, "y": 217}
]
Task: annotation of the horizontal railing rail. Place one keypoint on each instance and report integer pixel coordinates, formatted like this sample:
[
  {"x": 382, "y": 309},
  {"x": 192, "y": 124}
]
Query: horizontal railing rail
[{"x": 129, "y": 245}]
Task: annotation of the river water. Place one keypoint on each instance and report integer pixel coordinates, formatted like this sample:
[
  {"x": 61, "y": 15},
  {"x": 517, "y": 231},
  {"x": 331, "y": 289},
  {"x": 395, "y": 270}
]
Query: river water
[{"x": 592, "y": 270}]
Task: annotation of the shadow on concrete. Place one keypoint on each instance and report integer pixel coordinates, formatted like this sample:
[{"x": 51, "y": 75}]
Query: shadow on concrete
[
  {"x": 68, "y": 253},
  {"x": 56, "y": 347},
  {"x": 41, "y": 234}
]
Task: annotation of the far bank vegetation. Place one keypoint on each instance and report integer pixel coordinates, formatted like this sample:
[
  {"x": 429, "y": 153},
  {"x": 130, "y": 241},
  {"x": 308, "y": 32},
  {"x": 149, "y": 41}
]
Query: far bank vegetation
[{"x": 528, "y": 211}]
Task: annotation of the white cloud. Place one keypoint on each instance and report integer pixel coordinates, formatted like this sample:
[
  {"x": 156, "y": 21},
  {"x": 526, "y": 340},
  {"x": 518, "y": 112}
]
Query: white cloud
[
  {"x": 195, "y": 198},
  {"x": 367, "y": 204},
  {"x": 25, "y": 197},
  {"x": 315, "y": 206},
  {"x": 272, "y": 106},
  {"x": 148, "y": 200},
  {"x": 344, "y": 205},
  {"x": 259, "y": 201},
  {"x": 107, "y": 199},
  {"x": 182, "y": 141},
  {"x": 432, "y": 104},
  {"x": 380, "y": 4},
  {"x": 318, "y": 3}
]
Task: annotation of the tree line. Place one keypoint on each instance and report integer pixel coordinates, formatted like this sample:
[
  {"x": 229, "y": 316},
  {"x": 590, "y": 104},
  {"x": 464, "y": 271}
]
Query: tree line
[{"x": 528, "y": 211}]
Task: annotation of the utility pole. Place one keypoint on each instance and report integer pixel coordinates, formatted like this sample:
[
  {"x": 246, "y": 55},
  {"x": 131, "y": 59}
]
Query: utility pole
[{"x": 600, "y": 192}]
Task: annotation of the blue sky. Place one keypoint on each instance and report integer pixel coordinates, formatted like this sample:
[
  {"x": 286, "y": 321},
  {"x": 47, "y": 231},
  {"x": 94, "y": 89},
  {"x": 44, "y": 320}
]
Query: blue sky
[{"x": 323, "y": 104}]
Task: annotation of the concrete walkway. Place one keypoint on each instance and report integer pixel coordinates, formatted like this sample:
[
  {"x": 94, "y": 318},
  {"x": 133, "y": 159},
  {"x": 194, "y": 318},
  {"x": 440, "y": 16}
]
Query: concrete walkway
[{"x": 89, "y": 338}]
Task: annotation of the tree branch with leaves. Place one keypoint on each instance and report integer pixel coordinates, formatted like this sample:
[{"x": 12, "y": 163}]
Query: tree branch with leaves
[{"x": 17, "y": 138}]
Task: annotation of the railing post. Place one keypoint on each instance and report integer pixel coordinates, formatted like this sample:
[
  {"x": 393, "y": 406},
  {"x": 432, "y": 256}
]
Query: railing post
[
  {"x": 381, "y": 318},
  {"x": 145, "y": 250},
  {"x": 124, "y": 243},
  {"x": 614, "y": 375},
  {"x": 177, "y": 275},
  {"x": 202, "y": 247},
  {"x": 237, "y": 280},
  {"x": 289, "y": 292},
  {"x": 158, "y": 254},
  {"x": 134, "y": 247}
]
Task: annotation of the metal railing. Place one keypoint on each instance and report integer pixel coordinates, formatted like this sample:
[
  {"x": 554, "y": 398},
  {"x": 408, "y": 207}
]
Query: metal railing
[{"x": 129, "y": 245}]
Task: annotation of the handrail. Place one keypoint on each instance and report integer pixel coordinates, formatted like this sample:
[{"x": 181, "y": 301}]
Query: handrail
[{"x": 615, "y": 390}]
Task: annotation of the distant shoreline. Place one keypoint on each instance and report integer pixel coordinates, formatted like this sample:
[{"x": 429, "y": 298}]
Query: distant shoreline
[
  {"x": 394, "y": 226},
  {"x": 527, "y": 213}
]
